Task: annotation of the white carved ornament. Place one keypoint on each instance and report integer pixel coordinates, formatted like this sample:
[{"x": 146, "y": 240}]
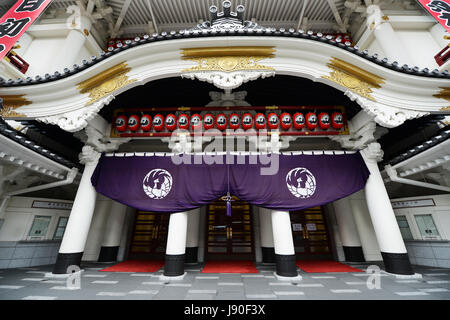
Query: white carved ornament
[
  {"x": 228, "y": 80},
  {"x": 76, "y": 120},
  {"x": 387, "y": 116}
]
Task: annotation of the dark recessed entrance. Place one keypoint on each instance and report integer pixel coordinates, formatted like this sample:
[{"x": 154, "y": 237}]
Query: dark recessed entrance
[
  {"x": 310, "y": 233},
  {"x": 229, "y": 238},
  {"x": 149, "y": 236}
]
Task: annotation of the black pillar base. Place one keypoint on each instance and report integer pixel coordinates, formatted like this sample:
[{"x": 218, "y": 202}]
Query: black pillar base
[
  {"x": 174, "y": 265},
  {"x": 191, "y": 255},
  {"x": 268, "y": 255},
  {"x": 108, "y": 254},
  {"x": 354, "y": 254},
  {"x": 64, "y": 260},
  {"x": 285, "y": 265},
  {"x": 397, "y": 263}
]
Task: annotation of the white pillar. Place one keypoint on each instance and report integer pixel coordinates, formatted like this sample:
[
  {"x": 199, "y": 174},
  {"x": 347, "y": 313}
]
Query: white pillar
[
  {"x": 71, "y": 48},
  {"x": 256, "y": 234},
  {"x": 388, "y": 234},
  {"x": 365, "y": 227},
  {"x": 386, "y": 36},
  {"x": 192, "y": 237},
  {"x": 283, "y": 244},
  {"x": 74, "y": 239},
  {"x": 267, "y": 246},
  {"x": 113, "y": 232},
  {"x": 95, "y": 236},
  {"x": 347, "y": 231},
  {"x": 331, "y": 215},
  {"x": 176, "y": 244}
]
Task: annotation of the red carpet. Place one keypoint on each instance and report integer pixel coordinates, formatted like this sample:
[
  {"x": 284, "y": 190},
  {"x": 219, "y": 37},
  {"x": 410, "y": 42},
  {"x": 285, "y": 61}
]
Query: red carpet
[
  {"x": 229, "y": 267},
  {"x": 319, "y": 266},
  {"x": 136, "y": 266}
]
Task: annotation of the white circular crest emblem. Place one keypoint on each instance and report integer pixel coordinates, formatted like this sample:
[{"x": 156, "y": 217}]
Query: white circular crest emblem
[
  {"x": 157, "y": 183},
  {"x": 301, "y": 183}
]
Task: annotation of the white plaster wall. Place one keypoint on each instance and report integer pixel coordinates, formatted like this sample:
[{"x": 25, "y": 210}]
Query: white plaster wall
[
  {"x": 85, "y": 53},
  {"x": 421, "y": 47},
  {"x": 40, "y": 55},
  {"x": 440, "y": 214},
  {"x": 374, "y": 47},
  {"x": 19, "y": 217}
]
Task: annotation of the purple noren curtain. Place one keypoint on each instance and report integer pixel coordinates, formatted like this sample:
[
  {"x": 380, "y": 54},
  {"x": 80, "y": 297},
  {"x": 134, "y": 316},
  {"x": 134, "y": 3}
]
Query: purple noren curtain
[{"x": 155, "y": 183}]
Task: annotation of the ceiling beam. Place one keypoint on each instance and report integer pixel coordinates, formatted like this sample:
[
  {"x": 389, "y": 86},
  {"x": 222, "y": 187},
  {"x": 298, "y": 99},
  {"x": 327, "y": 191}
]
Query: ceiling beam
[
  {"x": 337, "y": 16},
  {"x": 119, "y": 21},
  {"x": 305, "y": 3},
  {"x": 149, "y": 5},
  {"x": 312, "y": 24}
]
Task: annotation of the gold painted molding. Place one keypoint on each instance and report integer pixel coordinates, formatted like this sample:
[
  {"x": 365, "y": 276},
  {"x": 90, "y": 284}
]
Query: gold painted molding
[
  {"x": 106, "y": 82},
  {"x": 443, "y": 94},
  {"x": 11, "y": 103},
  {"x": 260, "y": 51},
  {"x": 227, "y": 59},
  {"x": 353, "y": 78}
]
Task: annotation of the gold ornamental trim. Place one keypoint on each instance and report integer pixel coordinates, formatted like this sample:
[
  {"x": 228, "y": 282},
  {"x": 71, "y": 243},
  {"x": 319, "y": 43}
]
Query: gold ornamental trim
[
  {"x": 227, "y": 59},
  {"x": 106, "y": 82},
  {"x": 353, "y": 78},
  {"x": 261, "y": 51},
  {"x": 11, "y": 103},
  {"x": 443, "y": 94}
]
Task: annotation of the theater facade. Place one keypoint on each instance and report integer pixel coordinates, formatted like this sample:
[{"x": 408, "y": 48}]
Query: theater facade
[{"x": 230, "y": 140}]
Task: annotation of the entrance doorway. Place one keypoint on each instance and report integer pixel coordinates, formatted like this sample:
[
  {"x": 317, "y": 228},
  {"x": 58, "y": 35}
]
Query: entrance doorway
[
  {"x": 310, "y": 233},
  {"x": 229, "y": 238},
  {"x": 149, "y": 236}
]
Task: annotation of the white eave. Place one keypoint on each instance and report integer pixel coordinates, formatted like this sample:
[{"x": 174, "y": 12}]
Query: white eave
[
  {"x": 433, "y": 157},
  {"x": 17, "y": 154}
]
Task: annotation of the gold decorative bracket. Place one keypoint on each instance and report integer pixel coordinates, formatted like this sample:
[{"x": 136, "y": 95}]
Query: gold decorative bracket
[
  {"x": 10, "y": 104},
  {"x": 443, "y": 94},
  {"x": 228, "y": 67},
  {"x": 106, "y": 82},
  {"x": 353, "y": 78}
]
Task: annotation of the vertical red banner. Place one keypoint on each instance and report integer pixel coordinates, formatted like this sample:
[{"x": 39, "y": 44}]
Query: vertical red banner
[
  {"x": 440, "y": 10},
  {"x": 17, "y": 20}
]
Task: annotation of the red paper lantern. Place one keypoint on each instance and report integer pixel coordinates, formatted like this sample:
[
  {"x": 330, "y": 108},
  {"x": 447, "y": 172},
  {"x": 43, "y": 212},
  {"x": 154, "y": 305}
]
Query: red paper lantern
[
  {"x": 260, "y": 121},
  {"x": 247, "y": 121},
  {"x": 221, "y": 121},
  {"x": 196, "y": 121},
  {"x": 234, "y": 121},
  {"x": 146, "y": 122},
  {"x": 133, "y": 123},
  {"x": 311, "y": 120},
  {"x": 158, "y": 122},
  {"x": 285, "y": 121},
  {"x": 299, "y": 121},
  {"x": 273, "y": 121},
  {"x": 121, "y": 123},
  {"x": 337, "y": 120},
  {"x": 171, "y": 122},
  {"x": 208, "y": 121},
  {"x": 324, "y": 120},
  {"x": 183, "y": 121}
]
